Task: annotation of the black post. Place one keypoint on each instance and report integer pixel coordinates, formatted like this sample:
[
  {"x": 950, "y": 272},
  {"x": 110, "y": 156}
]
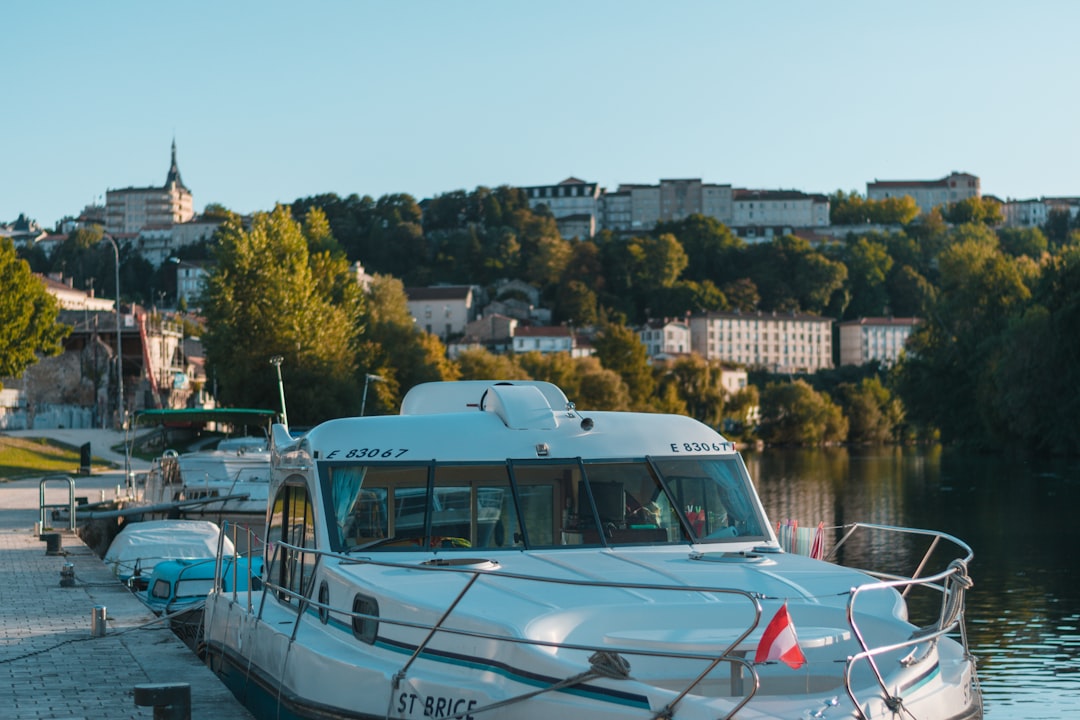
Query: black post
[{"x": 84, "y": 459}]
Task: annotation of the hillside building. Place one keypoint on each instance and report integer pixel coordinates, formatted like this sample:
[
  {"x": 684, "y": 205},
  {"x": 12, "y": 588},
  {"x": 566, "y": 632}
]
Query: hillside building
[
  {"x": 927, "y": 194},
  {"x": 874, "y": 339},
  {"x": 129, "y": 210},
  {"x": 777, "y": 342}
]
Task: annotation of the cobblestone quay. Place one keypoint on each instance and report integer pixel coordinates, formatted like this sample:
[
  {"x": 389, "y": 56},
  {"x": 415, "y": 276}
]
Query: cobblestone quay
[{"x": 52, "y": 664}]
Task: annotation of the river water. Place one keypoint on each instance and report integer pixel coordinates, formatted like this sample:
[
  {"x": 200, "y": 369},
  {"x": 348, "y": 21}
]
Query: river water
[{"x": 1020, "y": 517}]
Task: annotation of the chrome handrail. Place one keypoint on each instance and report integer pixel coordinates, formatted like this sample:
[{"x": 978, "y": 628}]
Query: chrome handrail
[{"x": 952, "y": 582}]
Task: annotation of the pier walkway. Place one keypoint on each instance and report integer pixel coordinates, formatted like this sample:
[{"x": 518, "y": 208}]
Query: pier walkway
[{"x": 51, "y": 663}]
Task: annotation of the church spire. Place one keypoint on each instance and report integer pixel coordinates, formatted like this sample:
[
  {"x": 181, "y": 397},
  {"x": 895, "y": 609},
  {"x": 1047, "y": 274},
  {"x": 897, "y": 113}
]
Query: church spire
[{"x": 174, "y": 171}]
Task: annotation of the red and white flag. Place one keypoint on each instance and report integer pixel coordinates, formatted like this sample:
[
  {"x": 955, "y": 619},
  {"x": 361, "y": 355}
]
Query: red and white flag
[{"x": 780, "y": 642}]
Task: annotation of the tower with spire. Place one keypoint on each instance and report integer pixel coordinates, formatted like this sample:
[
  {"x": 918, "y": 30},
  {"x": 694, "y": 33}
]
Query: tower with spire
[
  {"x": 173, "y": 178},
  {"x": 132, "y": 210}
]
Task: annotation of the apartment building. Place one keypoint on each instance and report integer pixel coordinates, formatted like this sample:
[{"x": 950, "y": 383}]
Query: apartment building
[
  {"x": 665, "y": 338},
  {"x": 874, "y": 339},
  {"x": 763, "y": 214},
  {"x": 129, "y": 210},
  {"x": 443, "y": 310},
  {"x": 778, "y": 342},
  {"x": 638, "y": 208},
  {"x": 1025, "y": 213},
  {"x": 574, "y": 203},
  {"x": 546, "y": 339},
  {"x": 927, "y": 194}
]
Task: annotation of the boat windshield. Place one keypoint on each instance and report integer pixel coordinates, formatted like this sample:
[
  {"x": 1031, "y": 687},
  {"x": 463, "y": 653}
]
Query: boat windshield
[{"x": 541, "y": 504}]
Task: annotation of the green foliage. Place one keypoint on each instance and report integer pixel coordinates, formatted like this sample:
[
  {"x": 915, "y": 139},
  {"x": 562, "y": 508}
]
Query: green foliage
[
  {"x": 481, "y": 364},
  {"x": 947, "y": 381},
  {"x": 619, "y": 349},
  {"x": 985, "y": 211},
  {"x": 265, "y": 298},
  {"x": 697, "y": 382},
  {"x": 28, "y": 315},
  {"x": 1023, "y": 241},
  {"x": 395, "y": 350},
  {"x": 853, "y": 209},
  {"x": 869, "y": 265},
  {"x": 708, "y": 245},
  {"x": 874, "y": 415},
  {"x": 794, "y": 413},
  {"x": 790, "y": 275}
]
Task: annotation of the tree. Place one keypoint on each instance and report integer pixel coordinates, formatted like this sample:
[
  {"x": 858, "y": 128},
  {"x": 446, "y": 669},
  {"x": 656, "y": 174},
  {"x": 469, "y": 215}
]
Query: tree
[
  {"x": 793, "y": 413},
  {"x": 707, "y": 243},
  {"x": 946, "y": 380},
  {"x": 742, "y": 294},
  {"x": 28, "y": 315},
  {"x": 1023, "y": 241},
  {"x": 698, "y": 384},
  {"x": 599, "y": 388},
  {"x": 868, "y": 263},
  {"x": 263, "y": 298},
  {"x": 481, "y": 364},
  {"x": 853, "y": 209},
  {"x": 791, "y": 275},
  {"x": 576, "y": 302},
  {"x": 873, "y": 414},
  {"x": 319, "y": 236},
  {"x": 619, "y": 349},
  {"x": 1036, "y": 374},
  {"x": 394, "y": 349}
]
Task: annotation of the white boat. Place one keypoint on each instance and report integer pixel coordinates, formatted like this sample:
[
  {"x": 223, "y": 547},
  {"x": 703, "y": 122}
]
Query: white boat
[
  {"x": 229, "y": 481},
  {"x": 492, "y": 552},
  {"x": 140, "y": 546}
]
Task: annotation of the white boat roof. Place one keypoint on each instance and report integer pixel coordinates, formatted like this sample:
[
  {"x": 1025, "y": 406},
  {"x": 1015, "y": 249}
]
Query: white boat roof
[{"x": 486, "y": 421}]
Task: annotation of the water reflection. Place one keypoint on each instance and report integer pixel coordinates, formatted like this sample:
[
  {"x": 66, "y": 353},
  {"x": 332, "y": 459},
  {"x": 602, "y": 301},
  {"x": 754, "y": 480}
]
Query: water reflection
[{"x": 1018, "y": 516}]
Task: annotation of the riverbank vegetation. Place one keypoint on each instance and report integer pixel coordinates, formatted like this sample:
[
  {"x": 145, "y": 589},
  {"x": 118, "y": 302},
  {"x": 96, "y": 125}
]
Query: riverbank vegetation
[{"x": 992, "y": 361}]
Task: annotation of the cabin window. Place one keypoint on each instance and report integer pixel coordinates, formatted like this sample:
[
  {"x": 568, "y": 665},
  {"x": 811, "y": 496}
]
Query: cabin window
[
  {"x": 538, "y": 504},
  {"x": 292, "y": 522},
  {"x": 713, "y": 497}
]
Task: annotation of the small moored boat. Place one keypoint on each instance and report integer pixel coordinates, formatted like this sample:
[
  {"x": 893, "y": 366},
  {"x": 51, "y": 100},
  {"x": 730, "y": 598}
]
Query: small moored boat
[
  {"x": 227, "y": 480},
  {"x": 140, "y": 546},
  {"x": 493, "y": 552}
]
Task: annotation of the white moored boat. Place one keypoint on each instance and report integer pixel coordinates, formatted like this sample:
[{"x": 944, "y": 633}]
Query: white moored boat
[
  {"x": 228, "y": 481},
  {"x": 492, "y": 552}
]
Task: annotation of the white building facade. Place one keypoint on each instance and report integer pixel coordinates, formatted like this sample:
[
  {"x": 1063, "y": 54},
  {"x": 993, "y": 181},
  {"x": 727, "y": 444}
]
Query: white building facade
[
  {"x": 874, "y": 339},
  {"x": 665, "y": 337},
  {"x": 574, "y": 203},
  {"x": 777, "y": 342},
  {"x": 927, "y": 194},
  {"x": 442, "y": 311}
]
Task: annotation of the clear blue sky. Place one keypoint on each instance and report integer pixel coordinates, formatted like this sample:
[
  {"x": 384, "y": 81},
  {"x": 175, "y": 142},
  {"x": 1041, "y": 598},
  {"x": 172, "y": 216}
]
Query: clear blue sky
[{"x": 270, "y": 101}]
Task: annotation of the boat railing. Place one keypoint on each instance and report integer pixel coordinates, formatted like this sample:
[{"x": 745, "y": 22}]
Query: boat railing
[
  {"x": 602, "y": 659},
  {"x": 255, "y": 547},
  {"x": 952, "y": 583}
]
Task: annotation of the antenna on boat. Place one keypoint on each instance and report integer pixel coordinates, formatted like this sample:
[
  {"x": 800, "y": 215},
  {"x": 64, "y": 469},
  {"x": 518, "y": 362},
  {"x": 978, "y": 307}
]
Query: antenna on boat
[
  {"x": 276, "y": 362},
  {"x": 368, "y": 378}
]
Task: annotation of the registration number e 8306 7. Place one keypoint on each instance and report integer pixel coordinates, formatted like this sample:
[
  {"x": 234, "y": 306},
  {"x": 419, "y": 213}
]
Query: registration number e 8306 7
[{"x": 370, "y": 453}]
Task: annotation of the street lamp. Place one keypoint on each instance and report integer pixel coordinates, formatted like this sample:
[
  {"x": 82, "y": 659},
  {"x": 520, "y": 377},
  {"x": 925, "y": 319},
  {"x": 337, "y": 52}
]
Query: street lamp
[
  {"x": 119, "y": 340},
  {"x": 368, "y": 377},
  {"x": 276, "y": 362}
]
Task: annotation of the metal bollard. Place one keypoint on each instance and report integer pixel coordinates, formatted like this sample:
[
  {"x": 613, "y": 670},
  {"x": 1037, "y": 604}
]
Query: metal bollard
[
  {"x": 67, "y": 575},
  {"x": 97, "y": 621},
  {"x": 53, "y": 543},
  {"x": 171, "y": 701}
]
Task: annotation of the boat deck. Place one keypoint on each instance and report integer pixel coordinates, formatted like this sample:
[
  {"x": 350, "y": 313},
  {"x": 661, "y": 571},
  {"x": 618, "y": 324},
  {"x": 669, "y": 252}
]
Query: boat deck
[{"x": 51, "y": 663}]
